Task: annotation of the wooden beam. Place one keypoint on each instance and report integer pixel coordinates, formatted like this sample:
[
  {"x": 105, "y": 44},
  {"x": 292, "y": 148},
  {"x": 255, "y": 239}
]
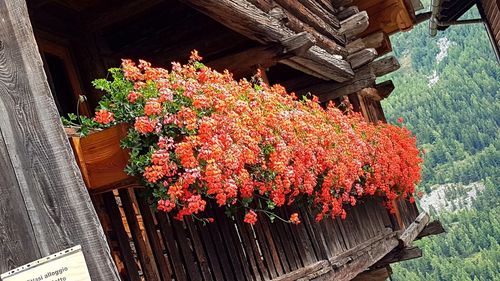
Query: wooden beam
[
  {"x": 297, "y": 9},
  {"x": 380, "y": 41},
  {"x": 384, "y": 89},
  {"x": 252, "y": 22},
  {"x": 379, "y": 274},
  {"x": 385, "y": 65},
  {"x": 297, "y": 25},
  {"x": 303, "y": 271},
  {"x": 348, "y": 264},
  {"x": 324, "y": 64},
  {"x": 414, "y": 229},
  {"x": 363, "y": 258},
  {"x": 354, "y": 25},
  {"x": 433, "y": 228},
  {"x": 40, "y": 177},
  {"x": 362, "y": 57},
  {"x": 324, "y": 13},
  {"x": 398, "y": 255},
  {"x": 364, "y": 77},
  {"x": 246, "y": 62},
  {"x": 347, "y": 12}
]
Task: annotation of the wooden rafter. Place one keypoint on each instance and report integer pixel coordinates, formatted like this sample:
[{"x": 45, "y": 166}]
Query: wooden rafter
[{"x": 254, "y": 23}]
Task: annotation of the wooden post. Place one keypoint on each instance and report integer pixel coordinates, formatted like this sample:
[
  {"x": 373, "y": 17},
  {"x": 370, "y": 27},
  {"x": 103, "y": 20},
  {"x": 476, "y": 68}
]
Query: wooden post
[{"x": 44, "y": 205}]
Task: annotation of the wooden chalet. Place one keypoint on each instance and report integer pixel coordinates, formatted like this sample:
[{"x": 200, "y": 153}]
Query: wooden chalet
[{"x": 50, "y": 51}]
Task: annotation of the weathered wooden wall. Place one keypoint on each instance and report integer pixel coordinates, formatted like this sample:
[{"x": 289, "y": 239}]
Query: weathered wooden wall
[
  {"x": 228, "y": 249},
  {"x": 44, "y": 205}
]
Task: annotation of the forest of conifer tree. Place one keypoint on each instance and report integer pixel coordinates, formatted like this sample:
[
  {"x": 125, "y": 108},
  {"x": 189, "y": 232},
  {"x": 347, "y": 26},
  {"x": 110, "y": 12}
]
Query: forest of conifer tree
[{"x": 447, "y": 92}]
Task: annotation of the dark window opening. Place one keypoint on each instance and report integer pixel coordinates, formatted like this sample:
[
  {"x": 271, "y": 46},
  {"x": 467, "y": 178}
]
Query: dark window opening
[{"x": 59, "y": 84}]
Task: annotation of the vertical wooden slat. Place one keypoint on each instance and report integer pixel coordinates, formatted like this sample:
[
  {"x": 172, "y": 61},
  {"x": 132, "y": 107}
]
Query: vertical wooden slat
[
  {"x": 253, "y": 255},
  {"x": 274, "y": 240},
  {"x": 260, "y": 242},
  {"x": 212, "y": 256},
  {"x": 229, "y": 244},
  {"x": 269, "y": 250},
  {"x": 220, "y": 249},
  {"x": 313, "y": 230},
  {"x": 345, "y": 234},
  {"x": 153, "y": 238},
  {"x": 172, "y": 247},
  {"x": 303, "y": 242},
  {"x": 189, "y": 261},
  {"x": 42, "y": 170},
  {"x": 198, "y": 249},
  {"x": 283, "y": 246},
  {"x": 143, "y": 248},
  {"x": 121, "y": 235},
  {"x": 288, "y": 241}
]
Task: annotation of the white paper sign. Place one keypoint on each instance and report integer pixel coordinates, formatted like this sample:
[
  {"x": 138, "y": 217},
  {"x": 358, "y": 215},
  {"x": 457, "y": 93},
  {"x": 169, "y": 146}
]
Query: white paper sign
[{"x": 67, "y": 265}]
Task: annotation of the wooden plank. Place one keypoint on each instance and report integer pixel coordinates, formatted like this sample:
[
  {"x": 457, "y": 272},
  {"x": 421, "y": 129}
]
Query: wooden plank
[
  {"x": 354, "y": 25},
  {"x": 212, "y": 255},
  {"x": 254, "y": 257},
  {"x": 142, "y": 246},
  {"x": 190, "y": 263},
  {"x": 350, "y": 256},
  {"x": 384, "y": 89},
  {"x": 362, "y": 57},
  {"x": 303, "y": 271},
  {"x": 384, "y": 66},
  {"x": 15, "y": 224},
  {"x": 55, "y": 198},
  {"x": 314, "y": 231},
  {"x": 328, "y": 91},
  {"x": 198, "y": 249},
  {"x": 365, "y": 77},
  {"x": 272, "y": 232},
  {"x": 379, "y": 274},
  {"x": 230, "y": 240},
  {"x": 121, "y": 235},
  {"x": 398, "y": 255},
  {"x": 247, "y": 19},
  {"x": 220, "y": 249},
  {"x": 167, "y": 232},
  {"x": 303, "y": 243},
  {"x": 265, "y": 249},
  {"x": 246, "y": 62},
  {"x": 325, "y": 12},
  {"x": 287, "y": 240},
  {"x": 296, "y": 24},
  {"x": 347, "y": 12},
  {"x": 433, "y": 228},
  {"x": 152, "y": 233},
  {"x": 265, "y": 235},
  {"x": 317, "y": 21},
  {"x": 412, "y": 231}
]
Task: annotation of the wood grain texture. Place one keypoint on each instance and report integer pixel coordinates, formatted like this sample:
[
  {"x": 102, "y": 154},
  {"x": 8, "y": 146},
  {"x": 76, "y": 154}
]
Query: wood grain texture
[
  {"x": 101, "y": 159},
  {"x": 55, "y": 199},
  {"x": 15, "y": 225},
  {"x": 254, "y": 23},
  {"x": 297, "y": 25}
]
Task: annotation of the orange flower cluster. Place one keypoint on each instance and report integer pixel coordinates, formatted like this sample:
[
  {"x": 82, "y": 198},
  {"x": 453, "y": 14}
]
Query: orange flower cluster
[
  {"x": 104, "y": 117},
  {"x": 231, "y": 141}
]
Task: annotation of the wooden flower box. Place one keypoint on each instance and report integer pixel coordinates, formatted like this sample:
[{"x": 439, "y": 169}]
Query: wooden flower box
[{"x": 101, "y": 159}]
